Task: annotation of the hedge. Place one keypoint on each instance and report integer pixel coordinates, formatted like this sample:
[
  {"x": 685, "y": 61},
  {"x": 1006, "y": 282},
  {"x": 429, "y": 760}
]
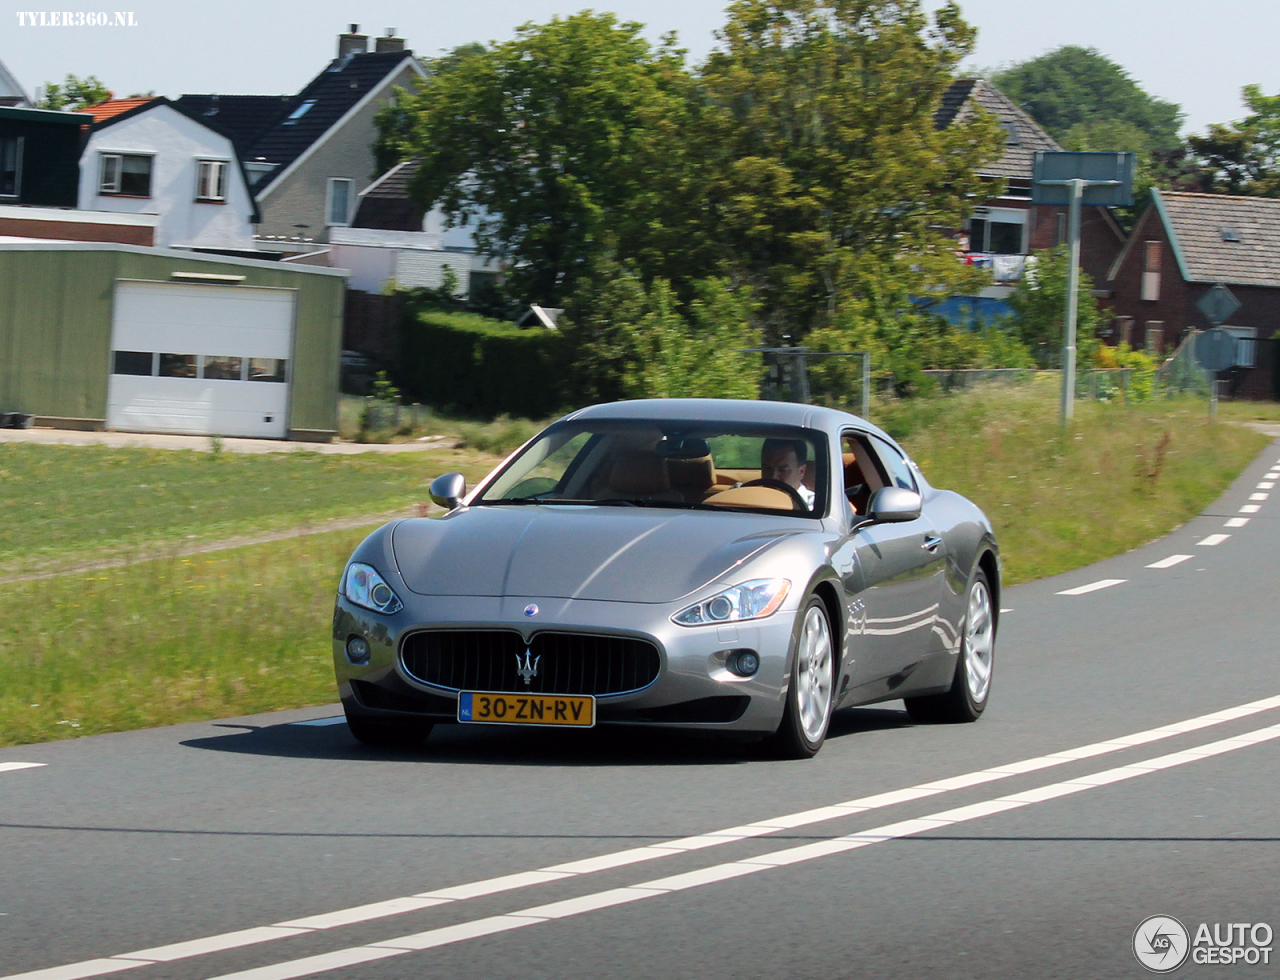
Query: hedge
[{"x": 474, "y": 365}]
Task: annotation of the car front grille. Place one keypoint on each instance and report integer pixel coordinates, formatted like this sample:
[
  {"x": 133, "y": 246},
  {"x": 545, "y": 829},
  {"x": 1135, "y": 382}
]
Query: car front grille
[{"x": 553, "y": 663}]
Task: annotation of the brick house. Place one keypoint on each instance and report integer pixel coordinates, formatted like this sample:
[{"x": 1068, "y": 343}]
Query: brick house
[
  {"x": 1179, "y": 248},
  {"x": 1004, "y": 230}
]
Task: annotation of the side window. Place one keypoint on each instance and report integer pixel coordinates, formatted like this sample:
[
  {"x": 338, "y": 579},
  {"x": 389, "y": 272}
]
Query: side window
[
  {"x": 898, "y": 469},
  {"x": 862, "y": 477}
]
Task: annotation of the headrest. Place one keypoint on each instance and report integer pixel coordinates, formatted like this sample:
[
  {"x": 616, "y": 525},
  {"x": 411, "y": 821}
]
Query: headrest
[
  {"x": 682, "y": 447},
  {"x": 638, "y": 473},
  {"x": 691, "y": 474}
]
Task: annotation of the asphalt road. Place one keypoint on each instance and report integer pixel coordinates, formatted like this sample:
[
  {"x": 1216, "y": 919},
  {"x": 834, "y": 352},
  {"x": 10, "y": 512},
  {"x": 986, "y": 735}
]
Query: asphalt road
[{"x": 1127, "y": 767}]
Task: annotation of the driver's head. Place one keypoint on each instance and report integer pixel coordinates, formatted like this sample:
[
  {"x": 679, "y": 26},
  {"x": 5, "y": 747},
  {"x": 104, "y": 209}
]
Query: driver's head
[{"x": 785, "y": 460}]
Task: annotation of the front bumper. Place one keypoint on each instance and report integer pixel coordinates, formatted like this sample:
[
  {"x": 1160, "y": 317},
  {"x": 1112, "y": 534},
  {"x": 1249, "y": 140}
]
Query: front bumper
[{"x": 693, "y": 690}]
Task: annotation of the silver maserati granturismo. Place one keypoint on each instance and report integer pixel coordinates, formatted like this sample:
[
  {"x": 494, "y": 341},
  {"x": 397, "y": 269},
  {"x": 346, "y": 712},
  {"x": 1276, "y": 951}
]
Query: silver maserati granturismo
[{"x": 746, "y": 567}]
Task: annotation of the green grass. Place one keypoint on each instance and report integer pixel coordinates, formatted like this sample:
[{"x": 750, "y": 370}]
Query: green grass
[
  {"x": 78, "y": 502},
  {"x": 1117, "y": 478},
  {"x": 169, "y": 641},
  {"x": 247, "y": 629},
  {"x": 499, "y": 436}
]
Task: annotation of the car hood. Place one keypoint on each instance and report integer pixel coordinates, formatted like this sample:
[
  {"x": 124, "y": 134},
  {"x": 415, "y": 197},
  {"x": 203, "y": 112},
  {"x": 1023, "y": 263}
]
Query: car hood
[{"x": 572, "y": 552}]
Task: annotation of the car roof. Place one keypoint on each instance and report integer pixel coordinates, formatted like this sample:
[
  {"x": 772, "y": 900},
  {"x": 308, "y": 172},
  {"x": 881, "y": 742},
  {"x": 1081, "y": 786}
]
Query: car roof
[{"x": 726, "y": 410}]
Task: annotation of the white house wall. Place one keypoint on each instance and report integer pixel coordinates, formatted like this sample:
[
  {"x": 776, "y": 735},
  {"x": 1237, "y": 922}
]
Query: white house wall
[
  {"x": 176, "y": 143},
  {"x": 370, "y": 267}
]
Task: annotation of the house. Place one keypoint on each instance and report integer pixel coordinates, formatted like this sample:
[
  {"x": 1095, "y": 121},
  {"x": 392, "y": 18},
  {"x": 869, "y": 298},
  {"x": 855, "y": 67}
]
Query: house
[
  {"x": 1003, "y": 231},
  {"x": 310, "y": 155},
  {"x": 39, "y": 156},
  {"x": 11, "y": 93},
  {"x": 1181, "y": 246},
  {"x": 153, "y": 157}
]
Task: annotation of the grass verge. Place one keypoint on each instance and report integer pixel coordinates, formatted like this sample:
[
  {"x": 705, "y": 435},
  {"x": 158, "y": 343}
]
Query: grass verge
[
  {"x": 247, "y": 630},
  {"x": 170, "y": 641},
  {"x": 84, "y": 502},
  {"x": 1117, "y": 477}
]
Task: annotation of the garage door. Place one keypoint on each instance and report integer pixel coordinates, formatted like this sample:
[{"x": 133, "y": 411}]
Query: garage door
[{"x": 200, "y": 359}]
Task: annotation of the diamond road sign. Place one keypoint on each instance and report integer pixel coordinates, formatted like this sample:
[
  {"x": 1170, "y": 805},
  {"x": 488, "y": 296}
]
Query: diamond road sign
[{"x": 1218, "y": 304}]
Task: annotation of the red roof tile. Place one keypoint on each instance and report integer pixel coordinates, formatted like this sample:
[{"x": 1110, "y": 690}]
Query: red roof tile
[{"x": 113, "y": 107}]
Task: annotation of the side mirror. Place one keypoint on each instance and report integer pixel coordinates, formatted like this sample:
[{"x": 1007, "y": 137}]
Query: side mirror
[
  {"x": 893, "y": 505},
  {"x": 448, "y": 490}
]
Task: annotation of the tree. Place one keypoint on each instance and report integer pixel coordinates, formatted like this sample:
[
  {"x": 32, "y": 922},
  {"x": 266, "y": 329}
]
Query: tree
[
  {"x": 829, "y": 160},
  {"x": 1243, "y": 157},
  {"x": 1039, "y": 308},
  {"x": 394, "y": 121},
  {"x": 551, "y": 145},
  {"x": 74, "y": 93},
  {"x": 630, "y": 339},
  {"x": 1073, "y": 86}
]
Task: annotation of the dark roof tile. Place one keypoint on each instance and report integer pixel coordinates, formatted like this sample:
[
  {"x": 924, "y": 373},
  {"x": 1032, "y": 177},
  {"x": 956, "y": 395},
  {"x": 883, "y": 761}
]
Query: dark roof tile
[
  {"x": 1197, "y": 221},
  {"x": 242, "y": 117},
  {"x": 1023, "y": 135},
  {"x": 331, "y": 95}
]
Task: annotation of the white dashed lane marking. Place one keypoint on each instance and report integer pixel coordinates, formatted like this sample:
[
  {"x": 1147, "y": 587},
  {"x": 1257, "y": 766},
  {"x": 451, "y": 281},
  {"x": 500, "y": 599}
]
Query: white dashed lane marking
[
  {"x": 1236, "y": 522},
  {"x": 1213, "y": 539},
  {"x": 1258, "y": 496},
  {"x": 323, "y": 722},
  {"x": 1266, "y": 485},
  {"x": 1169, "y": 562},
  {"x": 15, "y": 766},
  {"x": 635, "y": 855},
  {"x": 1250, "y": 508},
  {"x": 1104, "y": 583}
]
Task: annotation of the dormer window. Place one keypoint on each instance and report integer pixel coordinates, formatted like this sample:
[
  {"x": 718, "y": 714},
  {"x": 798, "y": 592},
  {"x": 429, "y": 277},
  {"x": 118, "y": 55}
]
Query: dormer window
[
  {"x": 127, "y": 174},
  {"x": 299, "y": 112},
  {"x": 211, "y": 181},
  {"x": 1230, "y": 234}
]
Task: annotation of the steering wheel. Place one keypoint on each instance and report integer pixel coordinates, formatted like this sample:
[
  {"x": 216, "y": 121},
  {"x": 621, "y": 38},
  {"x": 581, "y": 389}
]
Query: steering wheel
[{"x": 797, "y": 501}]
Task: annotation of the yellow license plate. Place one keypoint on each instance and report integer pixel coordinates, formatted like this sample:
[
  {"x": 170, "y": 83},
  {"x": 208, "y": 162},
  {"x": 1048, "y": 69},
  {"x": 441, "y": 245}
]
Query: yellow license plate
[{"x": 488, "y": 708}]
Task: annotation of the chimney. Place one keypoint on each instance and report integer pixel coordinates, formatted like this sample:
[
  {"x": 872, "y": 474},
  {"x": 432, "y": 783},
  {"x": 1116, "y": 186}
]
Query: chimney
[
  {"x": 353, "y": 42},
  {"x": 390, "y": 42}
]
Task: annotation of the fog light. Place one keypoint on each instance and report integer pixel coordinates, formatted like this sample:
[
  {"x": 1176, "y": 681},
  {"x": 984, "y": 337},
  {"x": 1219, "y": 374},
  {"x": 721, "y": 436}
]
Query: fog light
[
  {"x": 744, "y": 663},
  {"x": 357, "y": 649}
]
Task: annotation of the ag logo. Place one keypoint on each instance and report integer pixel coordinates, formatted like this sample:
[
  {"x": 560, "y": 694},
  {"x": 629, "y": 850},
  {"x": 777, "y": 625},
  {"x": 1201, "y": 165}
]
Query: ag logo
[{"x": 1161, "y": 943}]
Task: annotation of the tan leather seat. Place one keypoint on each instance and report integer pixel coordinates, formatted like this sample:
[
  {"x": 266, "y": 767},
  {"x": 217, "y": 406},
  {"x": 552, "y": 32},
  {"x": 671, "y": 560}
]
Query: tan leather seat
[
  {"x": 693, "y": 478},
  {"x": 769, "y": 498},
  {"x": 854, "y": 478},
  {"x": 638, "y": 473}
]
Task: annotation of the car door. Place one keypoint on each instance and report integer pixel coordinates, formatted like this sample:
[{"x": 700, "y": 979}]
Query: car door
[{"x": 902, "y": 567}]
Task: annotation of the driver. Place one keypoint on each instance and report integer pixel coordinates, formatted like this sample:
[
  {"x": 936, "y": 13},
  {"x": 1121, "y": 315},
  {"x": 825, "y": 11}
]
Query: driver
[{"x": 787, "y": 461}]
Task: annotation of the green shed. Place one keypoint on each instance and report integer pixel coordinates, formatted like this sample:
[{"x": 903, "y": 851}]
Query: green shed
[{"x": 109, "y": 336}]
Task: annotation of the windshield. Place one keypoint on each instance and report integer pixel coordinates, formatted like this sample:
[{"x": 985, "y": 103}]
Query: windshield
[{"x": 677, "y": 464}]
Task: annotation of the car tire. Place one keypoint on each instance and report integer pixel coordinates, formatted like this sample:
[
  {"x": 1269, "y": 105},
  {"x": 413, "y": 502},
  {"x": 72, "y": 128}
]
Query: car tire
[
  {"x": 971, "y": 685},
  {"x": 810, "y": 690},
  {"x": 388, "y": 734}
]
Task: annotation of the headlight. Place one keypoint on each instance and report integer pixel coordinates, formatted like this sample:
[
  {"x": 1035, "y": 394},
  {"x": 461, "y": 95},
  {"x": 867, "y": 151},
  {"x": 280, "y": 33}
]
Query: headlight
[
  {"x": 365, "y": 587},
  {"x": 751, "y": 600}
]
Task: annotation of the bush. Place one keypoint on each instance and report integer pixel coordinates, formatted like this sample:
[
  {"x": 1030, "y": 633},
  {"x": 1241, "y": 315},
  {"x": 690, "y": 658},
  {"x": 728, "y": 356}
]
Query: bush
[{"x": 478, "y": 366}]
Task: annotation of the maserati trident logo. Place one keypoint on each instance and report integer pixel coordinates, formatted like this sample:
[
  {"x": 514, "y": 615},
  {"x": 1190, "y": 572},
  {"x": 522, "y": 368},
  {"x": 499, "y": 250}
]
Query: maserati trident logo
[{"x": 528, "y": 667}]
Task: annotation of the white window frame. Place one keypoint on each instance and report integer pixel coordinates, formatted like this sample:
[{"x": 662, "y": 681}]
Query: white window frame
[
  {"x": 1004, "y": 216},
  {"x": 17, "y": 169},
  {"x": 1246, "y": 345},
  {"x": 328, "y": 201},
  {"x": 118, "y": 156},
  {"x": 219, "y": 168}
]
